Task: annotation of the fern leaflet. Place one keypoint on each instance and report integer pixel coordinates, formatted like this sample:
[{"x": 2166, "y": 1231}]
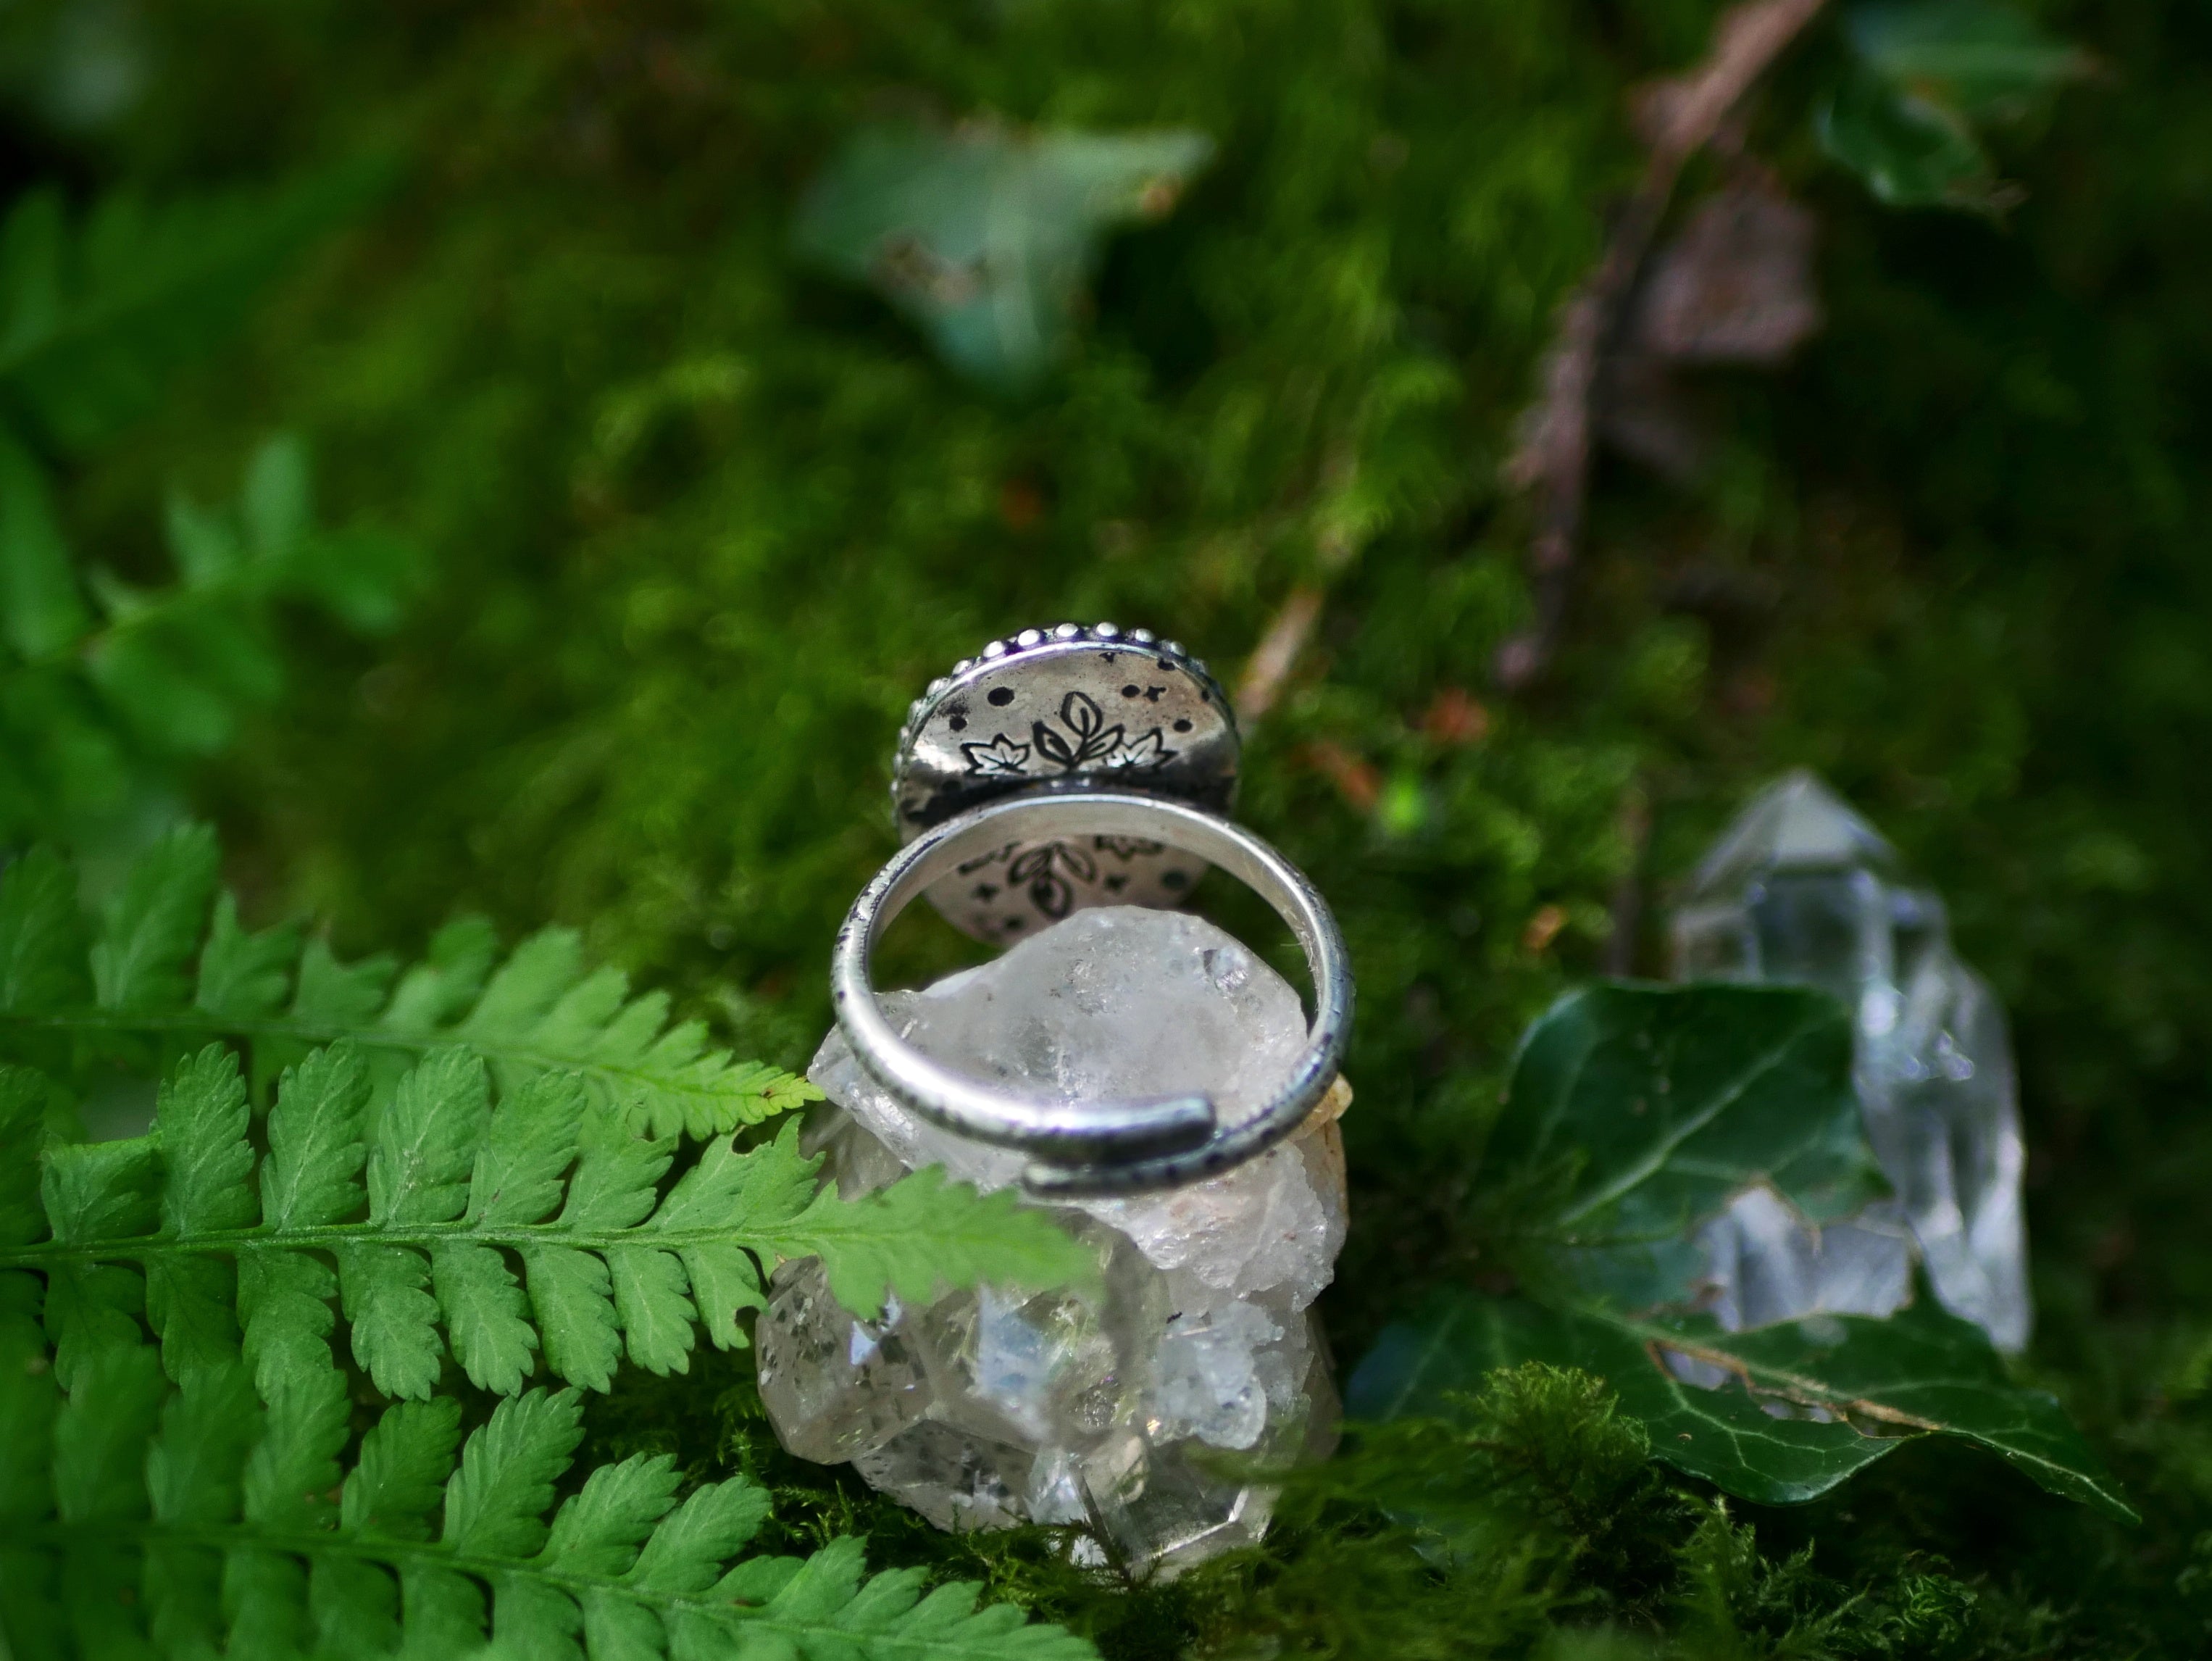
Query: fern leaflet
[
  {"x": 219, "y": 1518},
  {"x": 94, "y": 315},
  {"x": 169, "y": 966},
  {"x": 97, "y": 700},
  {"x": 534, "y": 1227}
]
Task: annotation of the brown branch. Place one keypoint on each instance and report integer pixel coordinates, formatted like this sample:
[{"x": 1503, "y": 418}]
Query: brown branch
[
  {"x": 1277, "y": 654},
  {"x": 1552, "y": 457}
]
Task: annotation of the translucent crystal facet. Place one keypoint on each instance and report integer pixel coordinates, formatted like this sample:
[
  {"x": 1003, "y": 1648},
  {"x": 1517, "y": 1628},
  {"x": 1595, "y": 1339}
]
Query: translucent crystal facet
[
  {"x": 1147, "y": 1414},
  {"x": 1801, "y": 889}
]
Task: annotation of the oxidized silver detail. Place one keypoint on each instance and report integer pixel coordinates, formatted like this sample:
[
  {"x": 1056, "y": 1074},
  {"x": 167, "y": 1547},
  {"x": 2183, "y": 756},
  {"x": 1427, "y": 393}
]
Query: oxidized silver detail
[
  {"x": 1072, "y": 709},
  {"x": 1095, "y": 1147}
]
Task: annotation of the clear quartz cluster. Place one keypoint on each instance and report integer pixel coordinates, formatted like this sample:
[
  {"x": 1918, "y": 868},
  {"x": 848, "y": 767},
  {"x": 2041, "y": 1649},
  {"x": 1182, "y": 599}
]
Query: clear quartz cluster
[
  {"x": 1147, "y": 1414},
  {"x": 1801, "y": 889}
]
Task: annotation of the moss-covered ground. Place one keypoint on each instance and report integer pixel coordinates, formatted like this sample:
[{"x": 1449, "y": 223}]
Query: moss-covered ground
[{"x": 703, "y": 521}]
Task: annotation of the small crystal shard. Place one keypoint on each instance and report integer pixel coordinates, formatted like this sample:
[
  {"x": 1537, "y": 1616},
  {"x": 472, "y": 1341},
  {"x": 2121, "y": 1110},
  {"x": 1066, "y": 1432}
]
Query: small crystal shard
[
  {"x": 1801, "y": 889},
  {"x": 1148, "y": 1414}
]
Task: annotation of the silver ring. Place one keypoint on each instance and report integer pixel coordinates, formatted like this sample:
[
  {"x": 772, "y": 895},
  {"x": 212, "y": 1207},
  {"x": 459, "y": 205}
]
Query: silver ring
[{"x": 1104, "y": 1147}]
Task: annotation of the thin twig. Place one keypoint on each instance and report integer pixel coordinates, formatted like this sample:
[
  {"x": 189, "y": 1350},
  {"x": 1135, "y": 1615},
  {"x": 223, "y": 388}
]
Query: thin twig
[
  {"x": 1277, "y": 654},
  {"x": 1553, "y": 455}
]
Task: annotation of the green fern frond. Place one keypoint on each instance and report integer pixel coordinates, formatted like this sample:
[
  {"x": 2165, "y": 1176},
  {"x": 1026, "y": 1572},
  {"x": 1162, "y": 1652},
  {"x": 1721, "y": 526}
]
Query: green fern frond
[
  {"x": 219, "y": 1518},
  {"x": 440, "y": 1220},
  {"x": 95, "y": 314},
  {"x": 97, "y": 699},
  {"x": 169, "y": 967}
]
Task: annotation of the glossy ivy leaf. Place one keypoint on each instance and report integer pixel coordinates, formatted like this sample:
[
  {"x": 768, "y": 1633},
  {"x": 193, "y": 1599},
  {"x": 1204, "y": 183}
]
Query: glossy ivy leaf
[
  {"x": 498, "y": 1231},
  {"x": 221, "y": 1519},
  {"x": 986, "y": 236},
  {"x": 171, "y": 967},
  {"x": 1922, "y": 77},
  {"x": 1799, "y": 1407},
  {"x": 1635, "y": 1112}
]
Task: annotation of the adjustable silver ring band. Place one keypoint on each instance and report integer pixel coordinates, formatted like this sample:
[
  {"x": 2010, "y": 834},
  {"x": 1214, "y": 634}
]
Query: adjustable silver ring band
[{"x": 1106, "y": 1147}]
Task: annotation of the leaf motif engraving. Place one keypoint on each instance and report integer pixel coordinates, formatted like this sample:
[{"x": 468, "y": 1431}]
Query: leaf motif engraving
[
  {"x": 1001, "y": 759},
  {"x": 1041, "y": 868},
  {"x": 1140, "y": 753},
  {"x": 1128, "y": 847}
]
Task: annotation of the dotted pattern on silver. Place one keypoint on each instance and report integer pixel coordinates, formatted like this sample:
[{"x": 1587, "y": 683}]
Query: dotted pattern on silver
[{"x": 1070, "y": 709}]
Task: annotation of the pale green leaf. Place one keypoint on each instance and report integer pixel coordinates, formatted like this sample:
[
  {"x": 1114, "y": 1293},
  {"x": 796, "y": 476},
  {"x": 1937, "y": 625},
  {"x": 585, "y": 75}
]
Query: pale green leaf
[
  {"x": 726, "y": 1281},
  {"x": 339, "y": 997},
  {"x": 244, "y": 977},
  {"x": 293, "y": 1471},
  {"x": 150, "y": 929},
  {"x": 100, "y": 1192},
  {"x": 570, "y": 1292},
  {"x": 650, "y": 1302},
  {"x": 278, "y": 503},
  {"x": 201, "y": 1120},
  {"x": 921, "y": 1235},
  {"x": 101, "y": 1433},
  {"x": 449, "y": 979},
  {"x": 495, "y": 1504},
  {"x": 1984, "y": 58},
  {"x": 353, "y": 1608},
  {"x": 284, "y": 1307},
  {"x": 134, "y": 288},
  {"x": 543, "y": 1009},
  {"x": 394, "y": 1319},
  {"x": 311, "y": 1175},
  {"x": 23, "y": 1097},
  {"x": 426, "y": 1140},
  {"x": 195, "y": 1471},
  {"x": 43, "y": 948},
  {"x": 531, "y": 1143},
  {"x": 486, "y": 1316},
  {"x": 265, "y": 1589},
  {"x": 985, "y": 235},
  {"x": 91, "y": 1309},
  {"x": 399, "y": 1479},
  {"x": 41, "y": 611},
  {"x": 189, "y": 1299},
  {"x": 686, "y": 1552},
  {"x": 616, "y": 1183},
  {"x": 599, "y": 1532}
]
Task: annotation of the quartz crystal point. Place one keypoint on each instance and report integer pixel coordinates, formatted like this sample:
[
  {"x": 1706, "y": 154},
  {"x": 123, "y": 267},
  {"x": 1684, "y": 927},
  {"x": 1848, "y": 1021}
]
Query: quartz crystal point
[
  {"x": 1801, "y": 889},
  {"x": 1145, "y": 1414}
]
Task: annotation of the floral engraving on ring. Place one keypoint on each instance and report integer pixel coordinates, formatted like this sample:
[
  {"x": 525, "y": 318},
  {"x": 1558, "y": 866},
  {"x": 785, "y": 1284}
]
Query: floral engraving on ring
[
  {"x": 1045, "y": 869},
  {"x": 1089, "y": 741},
  {"x": 1001, "y": 759}
]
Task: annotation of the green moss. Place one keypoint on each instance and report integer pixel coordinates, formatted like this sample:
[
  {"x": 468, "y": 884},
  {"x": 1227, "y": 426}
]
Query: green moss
[{"x": 705, "y": 520}]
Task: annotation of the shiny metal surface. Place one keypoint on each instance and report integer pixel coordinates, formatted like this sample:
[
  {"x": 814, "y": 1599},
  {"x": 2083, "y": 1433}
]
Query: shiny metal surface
[
  {"x": 1095, "y": 1147},
  {"x": 1063, "y": 711}
]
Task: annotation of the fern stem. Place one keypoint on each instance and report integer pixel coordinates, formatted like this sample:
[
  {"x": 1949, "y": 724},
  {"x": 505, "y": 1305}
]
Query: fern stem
[
  {"x": 233, "y": 1242},
  {"x": 203, "y": 1024},
  {"x": 389, "y": 1553}
]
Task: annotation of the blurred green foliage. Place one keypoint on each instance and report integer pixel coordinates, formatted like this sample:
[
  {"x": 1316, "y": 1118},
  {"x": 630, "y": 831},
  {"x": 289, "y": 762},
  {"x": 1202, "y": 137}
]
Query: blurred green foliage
[{"x": 705, "y": 518}]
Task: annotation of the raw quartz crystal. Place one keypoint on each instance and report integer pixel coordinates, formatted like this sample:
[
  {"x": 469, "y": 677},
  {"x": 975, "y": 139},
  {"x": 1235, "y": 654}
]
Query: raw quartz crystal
[
  {"x": 1801, "y": 889},
  {"x": 1148, "y": 1413}
]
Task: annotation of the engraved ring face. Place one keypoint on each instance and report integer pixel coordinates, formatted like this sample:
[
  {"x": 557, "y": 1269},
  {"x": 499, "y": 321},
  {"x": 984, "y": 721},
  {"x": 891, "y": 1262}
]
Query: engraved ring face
[{"x": 1071, "y": 708}]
